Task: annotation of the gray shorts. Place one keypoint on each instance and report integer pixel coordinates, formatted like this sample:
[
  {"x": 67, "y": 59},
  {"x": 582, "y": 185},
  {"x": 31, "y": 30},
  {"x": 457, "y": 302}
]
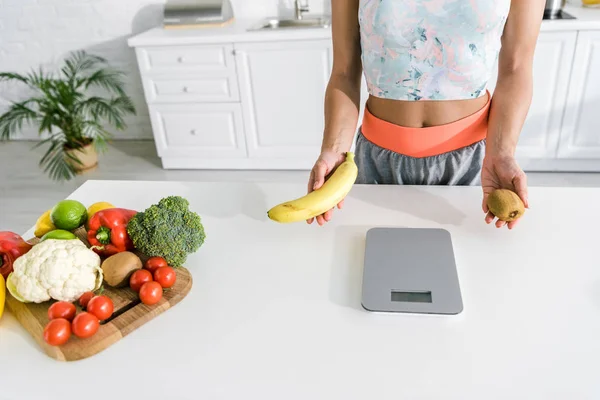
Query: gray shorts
[{"x": 377, "y": 165}]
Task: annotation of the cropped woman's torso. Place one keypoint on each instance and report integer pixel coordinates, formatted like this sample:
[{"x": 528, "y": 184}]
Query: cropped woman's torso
[{"x": 418, "y": 50}]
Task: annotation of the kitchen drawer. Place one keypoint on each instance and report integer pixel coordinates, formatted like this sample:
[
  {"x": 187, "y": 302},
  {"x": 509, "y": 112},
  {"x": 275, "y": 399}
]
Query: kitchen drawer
[
  {"x": 198, "y": 130},
  {"x": 168, "y": 89},
  {"x": 201, "y": 58}
]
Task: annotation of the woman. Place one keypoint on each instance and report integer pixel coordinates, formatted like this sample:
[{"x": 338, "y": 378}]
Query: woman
[{"x": 429, "y": 119}]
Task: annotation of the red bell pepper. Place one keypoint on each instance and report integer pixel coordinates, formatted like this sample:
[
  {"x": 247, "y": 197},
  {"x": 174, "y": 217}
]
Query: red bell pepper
[
  {"x": 12, "y": 246},
  {"x": 108, "y": 231}
]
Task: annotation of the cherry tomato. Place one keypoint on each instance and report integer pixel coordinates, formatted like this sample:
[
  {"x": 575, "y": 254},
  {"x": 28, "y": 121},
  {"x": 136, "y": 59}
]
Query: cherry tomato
[
  {"x": 57, "y": 332},
  {"x": 151, "y": 293},
  {"x": 155, "y": 263},
  {"x": 85, "y": 325},
  {"x": 165, "y": 276},
  {"x": 62, "y": 309},
  {"x": 101, "y": 306},
  {"x": 85, "y": 299},
  {"x": 138, "y": 278}
]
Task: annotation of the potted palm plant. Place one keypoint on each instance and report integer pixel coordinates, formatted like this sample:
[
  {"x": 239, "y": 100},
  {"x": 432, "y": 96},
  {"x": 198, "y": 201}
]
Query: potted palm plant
[{"x": 70, "y": 112}]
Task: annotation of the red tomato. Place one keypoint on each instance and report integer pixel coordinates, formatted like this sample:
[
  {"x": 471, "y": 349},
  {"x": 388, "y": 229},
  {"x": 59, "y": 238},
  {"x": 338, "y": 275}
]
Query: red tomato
[
  {"x": 151, "y": 293},
  {"x": 85, "y": 299},
  {"x": 85, "y": 325},
  {"x": 138, "y": 278},
  {"x": 165, "y": 276},
  {"x": 62, "y": 309},
  {"x": 57, "y": 332},
  {"x": 155, "y": 263},
  {"x": 101, "y": 306}
]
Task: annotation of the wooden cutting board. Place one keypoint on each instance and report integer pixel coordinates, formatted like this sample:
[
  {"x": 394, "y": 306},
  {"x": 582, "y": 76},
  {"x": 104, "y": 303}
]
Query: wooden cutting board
[{"x": 129, "y": 314}]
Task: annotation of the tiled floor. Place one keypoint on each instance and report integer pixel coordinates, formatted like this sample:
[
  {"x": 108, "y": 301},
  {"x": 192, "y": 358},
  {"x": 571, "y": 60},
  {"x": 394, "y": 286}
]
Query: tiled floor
[{"x": 25, "y": 192}]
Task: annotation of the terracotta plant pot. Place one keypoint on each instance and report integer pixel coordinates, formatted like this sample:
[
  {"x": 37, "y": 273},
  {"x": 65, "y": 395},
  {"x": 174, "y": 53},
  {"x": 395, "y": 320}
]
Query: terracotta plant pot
[{"x": 88, "y": 157}]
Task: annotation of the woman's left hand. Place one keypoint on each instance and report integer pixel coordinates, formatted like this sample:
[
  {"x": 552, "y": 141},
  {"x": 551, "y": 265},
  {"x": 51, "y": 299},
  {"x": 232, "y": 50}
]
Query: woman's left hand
[{"x": 502, "y": 173}]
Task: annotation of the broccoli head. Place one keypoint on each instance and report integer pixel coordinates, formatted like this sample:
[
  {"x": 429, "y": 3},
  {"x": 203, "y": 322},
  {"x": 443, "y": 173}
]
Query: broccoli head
[{"x": 167, "y": 229}]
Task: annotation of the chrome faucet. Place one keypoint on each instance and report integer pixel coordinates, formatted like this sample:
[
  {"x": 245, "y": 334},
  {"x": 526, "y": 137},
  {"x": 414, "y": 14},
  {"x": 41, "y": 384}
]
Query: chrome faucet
[{"x": 300, "y": 9}]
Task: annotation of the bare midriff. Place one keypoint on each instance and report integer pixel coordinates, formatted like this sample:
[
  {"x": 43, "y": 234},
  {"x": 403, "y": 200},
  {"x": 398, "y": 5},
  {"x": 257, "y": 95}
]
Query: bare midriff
[{"x": 422, "y": 114}]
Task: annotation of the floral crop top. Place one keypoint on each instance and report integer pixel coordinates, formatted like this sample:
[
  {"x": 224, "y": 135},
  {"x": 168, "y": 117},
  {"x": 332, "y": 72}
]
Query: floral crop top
[{"x": 430, "y": 49}]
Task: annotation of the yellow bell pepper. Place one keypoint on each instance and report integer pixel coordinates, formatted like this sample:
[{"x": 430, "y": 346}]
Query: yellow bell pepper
[
  {"x": 44, "y": 225},
  {"x": 2, "y": 295}
]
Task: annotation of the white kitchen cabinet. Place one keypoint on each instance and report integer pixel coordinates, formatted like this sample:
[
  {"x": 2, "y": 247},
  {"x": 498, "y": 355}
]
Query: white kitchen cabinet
[
  {"x": 581, "y": 129},
  {"x": 193, "y": 88},
  {"x": 551, "y": 73},
  {"x": 282, "y": 89},
  {"x": 187, "y": 134},
  {"x": 205, "y": 59}
]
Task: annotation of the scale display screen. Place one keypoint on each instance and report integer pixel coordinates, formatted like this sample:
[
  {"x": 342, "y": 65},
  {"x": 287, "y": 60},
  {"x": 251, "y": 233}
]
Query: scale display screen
[{"x": 412, "y": 297}]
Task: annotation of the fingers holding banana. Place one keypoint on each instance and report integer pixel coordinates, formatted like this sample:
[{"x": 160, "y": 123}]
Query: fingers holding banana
[{"x": 320, "y": 202}]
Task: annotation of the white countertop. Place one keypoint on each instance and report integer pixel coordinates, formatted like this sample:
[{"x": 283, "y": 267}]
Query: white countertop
[
  {"x": 275, "y": 310},
  {"x": 586, "y": 19}
]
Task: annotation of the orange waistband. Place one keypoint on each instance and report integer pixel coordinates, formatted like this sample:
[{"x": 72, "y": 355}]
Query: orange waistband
[{"x": 428, "y": 141}]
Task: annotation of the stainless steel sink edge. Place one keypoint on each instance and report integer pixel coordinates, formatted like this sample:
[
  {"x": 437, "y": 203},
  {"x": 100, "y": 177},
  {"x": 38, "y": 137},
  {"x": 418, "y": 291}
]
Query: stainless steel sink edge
[{"x": 274, "y": 24}]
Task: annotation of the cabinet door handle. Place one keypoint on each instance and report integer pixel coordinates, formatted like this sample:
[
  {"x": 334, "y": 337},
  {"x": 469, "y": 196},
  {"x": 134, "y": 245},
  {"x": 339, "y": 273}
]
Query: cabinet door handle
[
  {"x": 193, "y": 132},
  {"x": 180, "y": 59},
  {"x": 185, "y": 89}
]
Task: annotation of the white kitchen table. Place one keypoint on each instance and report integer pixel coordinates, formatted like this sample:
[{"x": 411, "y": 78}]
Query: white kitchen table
[{"x": 275, "y": 310}]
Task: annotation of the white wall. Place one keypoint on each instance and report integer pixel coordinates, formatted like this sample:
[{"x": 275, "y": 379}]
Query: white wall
[{"x": 42, "y": 32}]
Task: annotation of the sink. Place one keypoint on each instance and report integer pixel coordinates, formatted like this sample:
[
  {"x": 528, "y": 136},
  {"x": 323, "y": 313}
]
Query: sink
[{"x": 304, "y": 23}]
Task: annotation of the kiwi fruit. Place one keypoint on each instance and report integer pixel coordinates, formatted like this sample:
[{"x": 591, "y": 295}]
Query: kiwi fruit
[
  {"x": 506, "y": 205},
  {"x": 119, "y": 267}
]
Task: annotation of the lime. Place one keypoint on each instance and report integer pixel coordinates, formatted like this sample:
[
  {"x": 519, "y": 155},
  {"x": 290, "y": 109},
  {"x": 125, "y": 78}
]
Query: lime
[
  {"x": 59, "y": 234},
  {"x": 68, "y": 215},
  {"x": 12, "y": 289}
]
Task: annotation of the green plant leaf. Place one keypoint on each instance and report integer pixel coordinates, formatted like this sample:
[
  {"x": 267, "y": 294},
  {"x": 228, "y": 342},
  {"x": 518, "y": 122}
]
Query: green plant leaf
[
  {"x": 11, "y": 122},
  {"x": 95, "y": 131},
  {"x": 12, "y": 76},
  {"x": 46, "y": 123},
  {"x": 99, "y": 108},
  {"x": 54, "y": 144},
  {"x": 107, "y": 79},
  {"x": 125, "y": 103},
  {"x": 101, "y": 142},
  {"x": 39, "y": 79},
  {"x": 56, "y": 163},
  {"x": 78, "y": 62}
]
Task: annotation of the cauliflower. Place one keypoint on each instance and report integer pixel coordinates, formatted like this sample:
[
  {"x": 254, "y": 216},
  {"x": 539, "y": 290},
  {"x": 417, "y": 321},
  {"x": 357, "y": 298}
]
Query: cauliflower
[{"x": 57, "y": 269}]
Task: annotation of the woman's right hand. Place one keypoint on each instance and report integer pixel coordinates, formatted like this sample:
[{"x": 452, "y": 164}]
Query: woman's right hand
[{"x": 327, "y": 162}]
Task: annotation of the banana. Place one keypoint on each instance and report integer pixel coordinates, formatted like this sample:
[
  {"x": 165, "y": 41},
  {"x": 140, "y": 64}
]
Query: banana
[{"x": 318, "y": 201}]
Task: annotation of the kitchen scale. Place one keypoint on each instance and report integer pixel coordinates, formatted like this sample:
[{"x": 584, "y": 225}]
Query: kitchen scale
[{"x": 410, "y": 271}]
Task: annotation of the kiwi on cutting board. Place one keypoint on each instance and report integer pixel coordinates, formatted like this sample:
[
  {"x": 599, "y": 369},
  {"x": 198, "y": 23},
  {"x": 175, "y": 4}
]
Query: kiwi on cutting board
[
  {"x": 506, "y": 205},
  {"x": 118, "y": 268}
]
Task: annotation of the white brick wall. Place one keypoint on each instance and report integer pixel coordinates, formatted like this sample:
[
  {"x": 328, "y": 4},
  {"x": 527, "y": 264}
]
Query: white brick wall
[{"x": 41, "y": 32}]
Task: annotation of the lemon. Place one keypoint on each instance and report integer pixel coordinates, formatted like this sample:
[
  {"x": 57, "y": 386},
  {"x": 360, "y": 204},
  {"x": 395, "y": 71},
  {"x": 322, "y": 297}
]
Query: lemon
[
  {"x": 94, "y": 208},
  {"x": 12, "y": 289},
  {"x": 2, "y": 295},
  {"x": 59, "y": 234},
  {"x": 68, "y": 215},
  {"x": 44, "y": 224}
]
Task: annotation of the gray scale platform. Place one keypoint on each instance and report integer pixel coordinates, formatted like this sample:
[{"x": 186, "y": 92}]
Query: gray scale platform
[{"x": 410, "y": 271}]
